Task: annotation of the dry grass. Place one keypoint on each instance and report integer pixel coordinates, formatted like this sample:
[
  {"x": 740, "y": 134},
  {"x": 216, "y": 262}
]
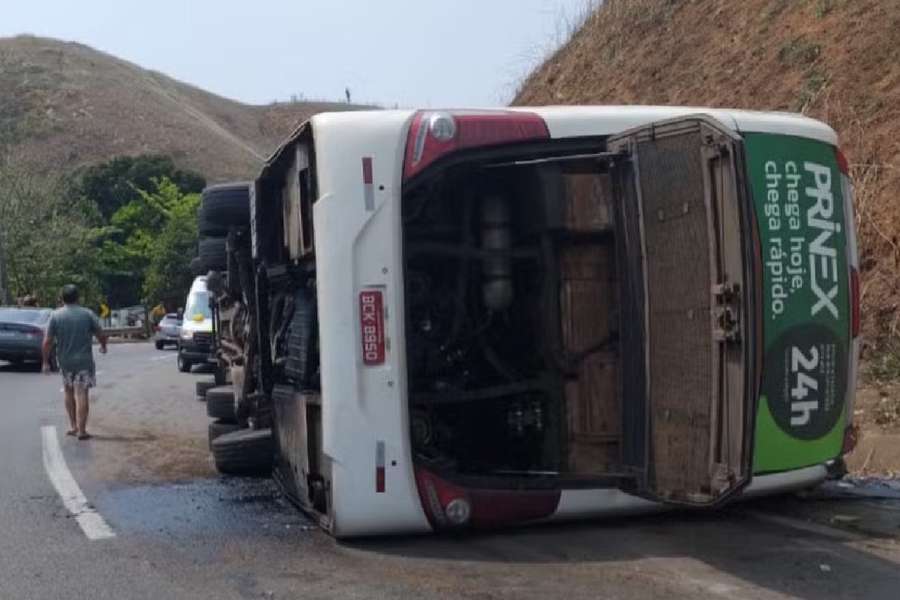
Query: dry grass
[
  {"x": 65, "y": 104},
  {"x": 878, "y": 222},
  {"x": 835, "y": 60}
]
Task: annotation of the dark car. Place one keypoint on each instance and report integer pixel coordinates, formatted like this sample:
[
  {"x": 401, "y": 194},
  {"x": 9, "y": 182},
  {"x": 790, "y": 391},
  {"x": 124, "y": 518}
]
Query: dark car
[
  {"x": 22, "y": 332},
  {"x": 167, "y": 331}
]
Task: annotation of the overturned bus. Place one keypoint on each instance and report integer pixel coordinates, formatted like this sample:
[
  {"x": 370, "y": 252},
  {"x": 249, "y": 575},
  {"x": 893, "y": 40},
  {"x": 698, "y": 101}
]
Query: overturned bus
[{"x": 456, "y": 319}]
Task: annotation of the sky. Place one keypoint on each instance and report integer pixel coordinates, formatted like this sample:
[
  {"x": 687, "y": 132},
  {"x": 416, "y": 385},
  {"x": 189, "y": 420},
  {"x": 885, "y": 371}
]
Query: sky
[{"x": 412, "y": 53}]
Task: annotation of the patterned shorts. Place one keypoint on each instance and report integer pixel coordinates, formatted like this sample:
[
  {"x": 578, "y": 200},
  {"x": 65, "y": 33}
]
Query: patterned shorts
[{"x": 79, "y": 379}]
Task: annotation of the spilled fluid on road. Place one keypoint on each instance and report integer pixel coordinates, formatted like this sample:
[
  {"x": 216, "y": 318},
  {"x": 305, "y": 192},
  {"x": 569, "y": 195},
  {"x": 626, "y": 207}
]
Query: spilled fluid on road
[{"x": 204, "y": 507}]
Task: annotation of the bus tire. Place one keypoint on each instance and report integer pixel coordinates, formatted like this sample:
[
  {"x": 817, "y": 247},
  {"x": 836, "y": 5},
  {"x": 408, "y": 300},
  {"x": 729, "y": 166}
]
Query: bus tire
[
  {"x": 299, "y": 365},
  {"x": 212, "y": 253},
  {"x": 224, "y": 206},
  {"x": 220, "y": 376},
  {"x": 197, "y": 267},
  {"x": 244, "y": 452},
  {"x": 217, "y": 428},
  {"x": 202, "y": 387},
  {"x": 220, "y": 404}
]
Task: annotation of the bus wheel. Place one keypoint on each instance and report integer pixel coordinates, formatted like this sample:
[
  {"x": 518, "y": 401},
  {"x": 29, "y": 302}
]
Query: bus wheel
[
  {"x": 218, "y": 428},
  {"x": 244, "y": 452},
  {"x": 220, "y": 404},
  {"x": 202, "y": 387},
  {"x": 220, "y": 376}
]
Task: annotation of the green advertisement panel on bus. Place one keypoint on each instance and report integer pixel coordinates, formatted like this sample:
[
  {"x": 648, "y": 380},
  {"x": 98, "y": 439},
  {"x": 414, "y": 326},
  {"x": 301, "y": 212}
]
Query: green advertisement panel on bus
[{"x": 799, "y": 206}]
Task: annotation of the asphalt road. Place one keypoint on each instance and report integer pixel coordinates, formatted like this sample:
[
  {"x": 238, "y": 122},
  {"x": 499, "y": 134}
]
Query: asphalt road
[{"x": 182, "y": 532}]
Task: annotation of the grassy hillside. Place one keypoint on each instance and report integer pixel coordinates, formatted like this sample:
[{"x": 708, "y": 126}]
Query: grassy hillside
[
  {"x": 65, "y": 104},
  {"x": 837, "y": 60}
]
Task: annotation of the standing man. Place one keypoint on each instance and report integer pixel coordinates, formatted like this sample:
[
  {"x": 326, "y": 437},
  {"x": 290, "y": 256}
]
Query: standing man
[
  {"x": 104, "y": 312},
  {"x": 71, "y": 328}
]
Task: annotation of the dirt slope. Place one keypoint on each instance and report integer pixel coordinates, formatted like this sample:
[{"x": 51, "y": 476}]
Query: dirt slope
[
  {"x": 838, "y": 60},
  {"x": 65, "y": 104}
]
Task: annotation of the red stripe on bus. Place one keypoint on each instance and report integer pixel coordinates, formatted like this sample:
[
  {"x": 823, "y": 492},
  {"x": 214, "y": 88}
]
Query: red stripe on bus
[{"x": 367, "y": 170}]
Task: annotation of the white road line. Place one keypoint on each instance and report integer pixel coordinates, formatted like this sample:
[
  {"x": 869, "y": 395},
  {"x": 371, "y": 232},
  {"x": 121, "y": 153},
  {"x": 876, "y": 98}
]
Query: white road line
[
  {"x": 158, "y": 358},
  {"x": 90, "y": 521}
]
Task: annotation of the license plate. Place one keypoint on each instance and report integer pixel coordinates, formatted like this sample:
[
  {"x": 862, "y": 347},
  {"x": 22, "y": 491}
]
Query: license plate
[{"x": 371, "y": 322}]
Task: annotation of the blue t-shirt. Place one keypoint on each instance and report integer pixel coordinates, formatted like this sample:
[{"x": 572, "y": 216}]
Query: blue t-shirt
[{"x": 73, "y": 328}]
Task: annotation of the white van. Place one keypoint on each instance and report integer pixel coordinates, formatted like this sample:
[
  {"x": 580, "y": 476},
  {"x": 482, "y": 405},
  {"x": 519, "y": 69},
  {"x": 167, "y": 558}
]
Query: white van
[
  {"x": 195, "y": 338},
  {"x": 480, "y": 318}
]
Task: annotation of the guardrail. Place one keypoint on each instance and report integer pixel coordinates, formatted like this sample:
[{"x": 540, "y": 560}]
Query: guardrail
[{"x": 125, "y": 331}]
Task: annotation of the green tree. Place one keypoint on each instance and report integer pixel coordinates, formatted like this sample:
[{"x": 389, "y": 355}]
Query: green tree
[
  {"x": 123, "y": 231},
  {"x": 129, "y": 241},
  {"x": 160, "y": 233},
  {"x": 46, "y": 240},
  {"x": 129, "y": 216},
  {"x": 115, "y": 183},
  {"x": 169, "y": 275},
  {"x": 53, "y": 233}
]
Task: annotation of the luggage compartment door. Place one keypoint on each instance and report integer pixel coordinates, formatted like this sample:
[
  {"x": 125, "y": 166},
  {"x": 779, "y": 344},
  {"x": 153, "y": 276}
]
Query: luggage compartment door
[{"x": 682, "y": 202}]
